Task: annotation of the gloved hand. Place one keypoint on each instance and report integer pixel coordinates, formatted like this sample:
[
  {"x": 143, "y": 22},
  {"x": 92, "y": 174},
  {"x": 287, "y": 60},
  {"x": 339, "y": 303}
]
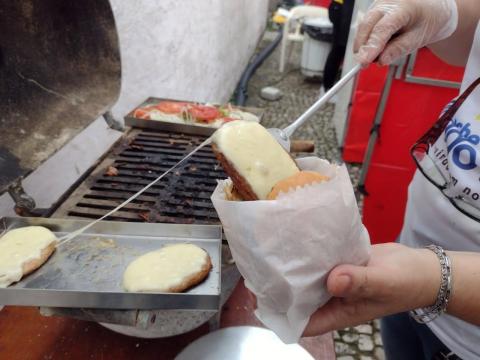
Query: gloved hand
[{"x": 415, "y": 23}]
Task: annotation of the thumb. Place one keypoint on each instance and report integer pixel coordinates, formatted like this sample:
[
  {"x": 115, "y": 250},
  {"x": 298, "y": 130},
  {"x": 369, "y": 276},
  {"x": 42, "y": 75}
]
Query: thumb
[{"x": 352, "y": 281}]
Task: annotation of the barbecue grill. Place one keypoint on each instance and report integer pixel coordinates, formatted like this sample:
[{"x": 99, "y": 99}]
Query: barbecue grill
[
  {"x": 69, "y": 77},
  {"x": 182, "y": 197}
]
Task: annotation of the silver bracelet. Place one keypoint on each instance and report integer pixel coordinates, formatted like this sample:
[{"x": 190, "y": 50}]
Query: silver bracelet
[{"x": 429, "y": 313}]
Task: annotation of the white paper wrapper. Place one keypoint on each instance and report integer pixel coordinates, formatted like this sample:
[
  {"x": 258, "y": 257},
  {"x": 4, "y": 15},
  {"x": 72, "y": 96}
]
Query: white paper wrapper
[{"x": 285, "y": 248}]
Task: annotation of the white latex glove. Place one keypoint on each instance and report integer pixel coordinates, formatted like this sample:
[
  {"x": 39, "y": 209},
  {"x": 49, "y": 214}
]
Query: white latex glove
[{"x": 415, "y": 23}]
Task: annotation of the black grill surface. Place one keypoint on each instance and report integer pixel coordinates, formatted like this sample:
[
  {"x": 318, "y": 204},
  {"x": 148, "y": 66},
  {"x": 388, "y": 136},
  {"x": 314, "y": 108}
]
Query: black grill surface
[{"x": 182, "y": 197}]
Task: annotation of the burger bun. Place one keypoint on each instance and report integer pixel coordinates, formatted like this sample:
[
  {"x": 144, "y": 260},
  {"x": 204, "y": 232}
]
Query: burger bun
[{"x": 300, "y": 179}]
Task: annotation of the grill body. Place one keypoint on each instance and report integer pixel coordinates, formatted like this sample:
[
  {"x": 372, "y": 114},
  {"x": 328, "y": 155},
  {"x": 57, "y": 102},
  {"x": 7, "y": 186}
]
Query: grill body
[{"x": 182, "y": 197}]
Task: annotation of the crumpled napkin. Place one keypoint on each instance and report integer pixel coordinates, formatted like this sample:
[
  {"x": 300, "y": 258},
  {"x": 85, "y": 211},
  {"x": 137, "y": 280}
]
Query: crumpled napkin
[{"x": 285, "y": 248}]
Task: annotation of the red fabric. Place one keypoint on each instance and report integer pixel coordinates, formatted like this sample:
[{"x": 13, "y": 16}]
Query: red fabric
[
  {"x": 366, "y": 98},
  {"x": 428, "y": 65},
  {"x": 391, "y": 166},
  {"x": 322, "y": 3},
  {"x": 411, "y": 110},
  {"x": 384, "y": 207},
  {"x": 367, "y": 95}
]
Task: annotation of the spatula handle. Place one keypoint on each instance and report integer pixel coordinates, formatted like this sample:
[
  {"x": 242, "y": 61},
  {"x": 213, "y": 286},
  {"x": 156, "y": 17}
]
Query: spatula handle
[{"x": 290, "y": 129}]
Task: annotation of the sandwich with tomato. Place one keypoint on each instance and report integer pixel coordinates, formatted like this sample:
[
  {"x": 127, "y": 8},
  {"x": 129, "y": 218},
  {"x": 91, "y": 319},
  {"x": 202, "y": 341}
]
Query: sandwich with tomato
[{"x": 192, "y": 113}]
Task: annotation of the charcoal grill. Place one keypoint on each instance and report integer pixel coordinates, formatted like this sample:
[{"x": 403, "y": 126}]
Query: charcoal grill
[
  {"x": 60, "y": 63},
  {"x": 182, "y": 197},
  {"x": 66, "y": 76}
]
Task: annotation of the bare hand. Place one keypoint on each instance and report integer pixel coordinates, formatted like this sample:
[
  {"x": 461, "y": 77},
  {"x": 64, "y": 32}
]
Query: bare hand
[{"x": 396, "y": 279}]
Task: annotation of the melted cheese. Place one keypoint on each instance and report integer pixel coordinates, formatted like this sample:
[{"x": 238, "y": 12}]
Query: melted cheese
[
  {"x": 164, "y": 269},
  {"x": 160, "y": 116},
  {"x": 20, "y": 246},
  {"x": 255, "y": 154},
  {"x": 243, "y": 115}
]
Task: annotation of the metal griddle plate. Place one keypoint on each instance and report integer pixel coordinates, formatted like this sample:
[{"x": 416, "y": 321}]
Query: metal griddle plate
[
  {"x": 187, "y": 128},
  {"x": 87, "y": 271}
]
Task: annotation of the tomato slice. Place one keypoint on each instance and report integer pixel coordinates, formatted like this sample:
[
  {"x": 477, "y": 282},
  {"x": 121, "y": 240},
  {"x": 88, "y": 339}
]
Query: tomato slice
[
  {"x": 143, "y": 113},
  {"x": 171, "y": 107},
  {"x": 204, "y": 113}
]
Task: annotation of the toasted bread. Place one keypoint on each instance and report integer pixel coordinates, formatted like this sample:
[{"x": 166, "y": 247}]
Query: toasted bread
[
  {"x": 231, "y": 193},
  {"x": 32, "y": 265},
  {"x": 241, "y": 186},
  {"x": 173, "y": 268},
  {"x": 193, "y": 279},
  {"x": 23, "y": 250},
  {"x": 298, "y": 180}
]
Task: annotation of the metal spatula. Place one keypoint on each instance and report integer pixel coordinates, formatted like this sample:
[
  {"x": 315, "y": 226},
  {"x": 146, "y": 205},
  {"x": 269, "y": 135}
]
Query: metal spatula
[{"x": 283, "y": 136}]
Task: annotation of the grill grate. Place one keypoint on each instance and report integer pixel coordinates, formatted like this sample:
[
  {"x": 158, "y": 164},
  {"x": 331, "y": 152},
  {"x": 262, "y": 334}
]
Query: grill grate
[{"x": 182, "y": 197}]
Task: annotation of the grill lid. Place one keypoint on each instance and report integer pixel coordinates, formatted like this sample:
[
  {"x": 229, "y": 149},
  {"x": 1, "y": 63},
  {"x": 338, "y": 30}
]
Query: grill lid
[{"x": 59, "y": 70}]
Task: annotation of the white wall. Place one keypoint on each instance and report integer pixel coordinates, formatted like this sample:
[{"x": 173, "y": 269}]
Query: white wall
[{"x": 185, "y": 49}]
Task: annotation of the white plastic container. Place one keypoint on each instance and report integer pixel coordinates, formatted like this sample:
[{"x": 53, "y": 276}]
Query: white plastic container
[{"x": 316, "y": 45}]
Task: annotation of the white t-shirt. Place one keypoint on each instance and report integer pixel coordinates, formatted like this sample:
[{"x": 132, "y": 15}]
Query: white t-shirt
[{"x": 430, "y": 217}]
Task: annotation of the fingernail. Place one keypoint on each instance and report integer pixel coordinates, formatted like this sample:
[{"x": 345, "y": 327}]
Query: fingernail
[
  {"x": 361, "y": 55},
  {"x": 386, "y": 60}
]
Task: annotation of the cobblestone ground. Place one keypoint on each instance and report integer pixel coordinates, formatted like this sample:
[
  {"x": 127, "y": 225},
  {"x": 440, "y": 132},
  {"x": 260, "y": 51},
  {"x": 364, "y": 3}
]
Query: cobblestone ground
[{"x": 363, "y": 341}]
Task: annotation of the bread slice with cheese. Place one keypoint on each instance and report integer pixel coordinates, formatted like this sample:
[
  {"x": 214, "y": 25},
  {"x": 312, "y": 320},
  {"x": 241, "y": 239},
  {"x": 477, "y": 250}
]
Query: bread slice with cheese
[
  {"x": 252, "y": 157},
  {"x": 173, "y": 268},
  {"x": 23, "y": 250}
]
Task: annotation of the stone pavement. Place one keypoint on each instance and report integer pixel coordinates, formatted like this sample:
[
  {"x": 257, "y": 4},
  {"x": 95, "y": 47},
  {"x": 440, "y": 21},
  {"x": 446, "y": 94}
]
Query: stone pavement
[
  {"x": 359, "y": 342},
  {"x": 363, "y": 341}
]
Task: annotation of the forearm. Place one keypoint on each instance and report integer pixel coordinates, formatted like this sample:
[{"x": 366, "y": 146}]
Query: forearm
[
  {"x": 465, "y": 299},
  {"x": 396, "y": 279},
  {"x": 456, "y": 48}
]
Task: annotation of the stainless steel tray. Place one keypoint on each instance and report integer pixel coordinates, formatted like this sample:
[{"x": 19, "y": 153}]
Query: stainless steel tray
[
  {"x": 87, "y": 271},
  {"x": 192, "y": 129}
]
